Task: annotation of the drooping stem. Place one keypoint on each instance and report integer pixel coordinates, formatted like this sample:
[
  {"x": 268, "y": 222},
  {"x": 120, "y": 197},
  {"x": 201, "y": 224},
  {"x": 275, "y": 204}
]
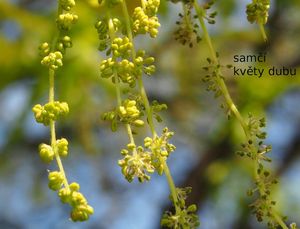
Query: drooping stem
[
  {"x": 279, "y": 220},
  {"x": 52, "y": 130},
  {"x": 172, "y": 186},
  {"x": 263, "y": 32}
]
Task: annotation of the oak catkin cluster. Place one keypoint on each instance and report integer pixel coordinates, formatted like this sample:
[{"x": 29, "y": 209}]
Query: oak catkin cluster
[{"x": 48, "y": 114}]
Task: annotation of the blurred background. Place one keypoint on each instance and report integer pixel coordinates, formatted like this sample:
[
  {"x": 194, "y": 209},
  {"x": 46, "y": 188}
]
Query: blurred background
[{"x": 205, "y": 139}]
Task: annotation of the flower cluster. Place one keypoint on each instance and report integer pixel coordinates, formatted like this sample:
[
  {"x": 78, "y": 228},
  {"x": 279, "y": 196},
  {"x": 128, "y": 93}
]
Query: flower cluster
[
  {"x": 57, "y": 182},
  {"x": 145, "y": 19},
  {"x": 81, "y": 211},
  {"x": 143, "y": 63},
  {"x": 185, "y": 217},
  {"x": 64, "y": 43},
  {"x": 47, "y": 152},
  {"x": 121, "y": 47},
  {"x": 50, "y": 112},
  {"x": 258, "y": 11},
  {"x": 53, "y": 60},
  {"x": 140, "y": 161},
  {"x": 160, "y": 149},
  {"x": 136, "y": 163},
  {"x": 66, "y": 20},
  {"x": 127, "y": 113}
]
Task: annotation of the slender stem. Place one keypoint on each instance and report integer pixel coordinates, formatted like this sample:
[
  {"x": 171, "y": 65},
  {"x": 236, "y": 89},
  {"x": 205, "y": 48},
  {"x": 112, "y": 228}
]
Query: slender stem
[
  {"x": 52, "y": 130},
  {"x": 279, "y": 220},
  {"x": 187, "y": 16},
  {"x": 263, "y": 32},
  {"x": 147, "y": 106},
  {"x": 115, "y": 75},
  {"x": 128, "y": 26},
  {"x": 51, "y": 85},
  {"x": 171, "y": 185},
  {"x": 261, "y": 187}
]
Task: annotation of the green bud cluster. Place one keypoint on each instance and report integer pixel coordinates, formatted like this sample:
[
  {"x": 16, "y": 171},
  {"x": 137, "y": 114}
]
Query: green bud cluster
[
  {"x": 151, "y": 7},
  {"x": 53, "y": 60},
  {"x": 143, "y": 63},
  {"x": 121, "y": 47},
  {"x": 66, "y": 20},
  {"x": 145, "y": 21},
  {"x": 186, "y": 217},
  {"x": 81, "y": 211},
  {"x": 127, "y": 113},
  {"x": 102, "y": 29},
  {"x": 125, "y": 70},
  {"x": 258, "y": 11},
  {"x": 51, "y": 111},
  {"x": 47, "y": 152},
  {"x": 64, "y": 43},
  {"x": 157, "y": 107},
  {"x": 56, "y": 180},
  {"x": 62, "y": 147},
  {"x": 44, "y": 49}
]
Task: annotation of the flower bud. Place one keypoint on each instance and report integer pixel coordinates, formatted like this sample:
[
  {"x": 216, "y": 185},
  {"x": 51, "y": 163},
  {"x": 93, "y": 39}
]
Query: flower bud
[
  {"x": 62, "y": 147},
  {"x": 46, "y": 153},
  {"x": 55, "y": 180}
]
